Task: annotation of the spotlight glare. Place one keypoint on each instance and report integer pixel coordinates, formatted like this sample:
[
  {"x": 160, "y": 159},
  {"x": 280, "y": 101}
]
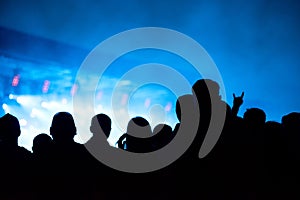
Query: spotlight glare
[
  {"x": 44, "y": 104},
  {"x": 64, "y": 101},
  {"x": 23, "y": 122},
  {"x": 5, "y": 107},
  {"x": 21, "y": 100},
  {"x": 34, "y": 112},
  {"x": 11, "y": 96}
]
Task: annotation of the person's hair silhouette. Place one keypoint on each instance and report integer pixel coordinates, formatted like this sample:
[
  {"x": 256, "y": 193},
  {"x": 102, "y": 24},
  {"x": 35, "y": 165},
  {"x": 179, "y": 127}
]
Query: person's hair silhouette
[
  {"x": 15, "y": 167},
  {"x": 100, "y": 128},
  {"x": 255, "y": 117},
  {"x": 10, "y": 129},
  {"x": 9, "y": 134},
  {"x": 67, "y": 155},
  {"x": 137, "y": 138},
  {"x": 101, "y": 123},
  {"x": 162, "y": 135},
  {"x": 63, "y": 128},
  {"x": 41, "y": 146}
]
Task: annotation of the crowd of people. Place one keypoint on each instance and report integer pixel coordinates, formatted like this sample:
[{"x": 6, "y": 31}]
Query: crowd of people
[{"x": 252, "y": 159}]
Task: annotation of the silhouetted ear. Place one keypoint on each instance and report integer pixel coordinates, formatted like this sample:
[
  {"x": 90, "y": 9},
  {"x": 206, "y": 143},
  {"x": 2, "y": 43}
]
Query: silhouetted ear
[
  {"x": 51, "y": 130},
  {"x": 75, "y": 130},
  {"x": 19, "y": 132}
]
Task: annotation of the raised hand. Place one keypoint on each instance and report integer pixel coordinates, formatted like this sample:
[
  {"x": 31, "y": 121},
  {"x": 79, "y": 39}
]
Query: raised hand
[{"x": 237, "y": 102}]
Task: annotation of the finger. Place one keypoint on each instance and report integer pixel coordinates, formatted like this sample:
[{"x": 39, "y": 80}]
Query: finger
[
  {"x": 242, "y": 94},
  {"x": 233, "y": 95}
]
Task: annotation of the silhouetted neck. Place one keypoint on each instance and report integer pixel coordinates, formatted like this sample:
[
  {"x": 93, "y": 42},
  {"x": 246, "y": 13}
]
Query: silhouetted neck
[{"x": 63, "y": 141}]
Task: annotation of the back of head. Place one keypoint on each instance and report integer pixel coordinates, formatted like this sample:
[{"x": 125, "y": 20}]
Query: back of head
[
  {"x": 291, "y": 121},
  {"x": 207, "y": 93},
  {"x": 273, "y": 130},
  {"x": 139, "y": 127},
  {"x": 162, "y": 128},
  {"x": 10, "y": 127},
  {"x": 255, "y": 117},
  {"x": 41, "y": 144},
  {"x": 138, "y": 135},
  {"x": 206, "y": 90},
  {"x": 63, "y": 127},
  {"x": 101, "y": 123},
  {"x": 162, "y": 135}
]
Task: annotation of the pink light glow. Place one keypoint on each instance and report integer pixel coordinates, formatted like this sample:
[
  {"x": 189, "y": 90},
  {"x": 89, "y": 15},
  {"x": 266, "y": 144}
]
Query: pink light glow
[
  {"x": 46, "y": 86},
  {"x": 147, "y": 102},
  {"x": 168, "y": 107},
  {"x": 124, "y": 99},
  {"x": 15, "y": 80}
]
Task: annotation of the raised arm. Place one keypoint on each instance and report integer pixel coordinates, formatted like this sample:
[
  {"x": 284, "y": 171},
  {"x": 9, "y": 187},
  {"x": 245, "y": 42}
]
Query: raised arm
[{"x": 237, "y": 102}]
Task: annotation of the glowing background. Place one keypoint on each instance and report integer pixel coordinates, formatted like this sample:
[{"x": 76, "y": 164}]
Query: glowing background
[{"x": 255, "y": 45}]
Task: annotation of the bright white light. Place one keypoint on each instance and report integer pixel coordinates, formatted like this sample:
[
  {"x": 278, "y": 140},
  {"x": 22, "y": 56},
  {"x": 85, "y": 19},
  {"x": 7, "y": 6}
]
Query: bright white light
[
  {"x": 11, "y": 96},
  {"x": 23, "y": 122},
  {"x": 22, "y": 100},
  {"x": 64, "y": 101},
  {"x": 44, "y": 104},
  {"x": 34, "y": 112},
  {"x": 5, "y": 107}
]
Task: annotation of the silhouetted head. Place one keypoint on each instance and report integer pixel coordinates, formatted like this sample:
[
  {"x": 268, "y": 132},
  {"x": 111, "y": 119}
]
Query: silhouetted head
[
  {"x": 184, "y": 99},
  {"x": 101, "y": 123},
  {"x": 255, "y": 117},
  {"x": 9, "y": 128},
  {"x": 206, "y": 90},
  {"x": 63, "y": 127},
  {"x": 41, "y": 144},
  {"x": 273, "y": 127},
  {"x": 162, "y": 135},
  {"x": 291, "y": 121},
  {"x": 162, "y": 128},
  {"x": 139, "y": 127}
]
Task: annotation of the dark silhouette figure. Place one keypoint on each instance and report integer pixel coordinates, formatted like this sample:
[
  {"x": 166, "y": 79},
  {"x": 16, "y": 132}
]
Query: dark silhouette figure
[
  {"x": 65, "y": 151},
  {"x": 253, "y": 148},
  {"x": 178, "y": 114},
  {"x": 252, "y": 159},
  {"x": 291, "y": 125},
  {"x": 137, "y": 138},
  {"x": 100, "y": 125},
  {"x": 41, "y": 147},
  {"x": 68, "y": 159},
  {"x": 101, "y": 178},
  {"x": 237, "y": 102},
  {"x": 274, "y": 152},
  {"x": 208, "y": 99},
  {"x": 15, "y": 165},
  {"x": 105, "y": 124},
  {"x": 291, "y": 128},
  {"x": 9, "y": 133},
  {"x": 42, "y": 165},
  {"x": 162, "y": 135}
]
